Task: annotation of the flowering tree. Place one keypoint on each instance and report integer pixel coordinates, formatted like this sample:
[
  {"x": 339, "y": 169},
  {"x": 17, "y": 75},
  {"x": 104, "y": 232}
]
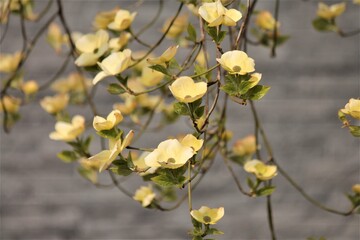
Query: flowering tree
[{"x": 217, "y": 68}]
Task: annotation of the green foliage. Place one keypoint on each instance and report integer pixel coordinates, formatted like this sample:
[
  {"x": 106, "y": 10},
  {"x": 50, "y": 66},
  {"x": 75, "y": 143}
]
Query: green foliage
[
  {"x": 67, "y": 156},
  {"x": 88, "y": 174},
  {"x": 160, "y": 68},
  {"x": 191, "y": 33},
  {"x": 170, "y": 177},
  {"x": 115, "y": 89},
  {"x": 355, "y": 130},
  {"x": 181, "y": 108},
  {"x": 265, "y": 191},
  {"x": 121, "y": 168},
  {"x": 218, "y": 37},
  {"x": 243, "y": 87},
  {"x": 322, "y": 25}
]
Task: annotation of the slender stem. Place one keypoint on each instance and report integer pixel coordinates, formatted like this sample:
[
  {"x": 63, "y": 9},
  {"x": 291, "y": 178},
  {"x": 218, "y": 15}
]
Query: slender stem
[
  {"x": 275, "y": 32},
  {"x": 118, "y": 185},
  {"x": 270, "y": 216},
  {"x": 287, "y": 177},
  {"x": 348, "y": 34},
  {"x": 57, "y": 74},
  {"x": 156, "y": 17},
  {"x": 161, "y": 38},
  {"x": 207, "y": 71},
  {"x": 189, "y": 186},
  {"x": 138, "y": 39},
  {"x": 140, "y": 149}
]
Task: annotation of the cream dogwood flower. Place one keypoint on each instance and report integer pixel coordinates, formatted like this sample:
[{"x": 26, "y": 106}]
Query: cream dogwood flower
[
  {"x": 116, "y": 44},
  {"x": 208, "y": 215},
  {"x": 114, "y": 64},
  {"x": 237, "y": 62},
  {"x": 30, "y": 87},
  {"x": 169, "y": 154},
  {"x": 191, "y": 141},
  {"x": 165, "y": 57},
  {"x": 122, "y": 21},
  {"x": 245, "y": 146},
  {"x": 184, "y": 89},
  {"x": 330, "y": 12},
  {"x": 103, "y": 19},
  {"x": 150, "y": 77},
  {"x": 352, "y": 108},
  {"x": 140, "y": 165},
  {"x": 92, "y": 47},
  {"x": 11, "y": 104},
  {"x": 262, "y": 171},
  {"x": 144, "y": 195},
  {"x": 113, "y": 119},
  {"x": 265, "y": 20},
  {"x": 67, "y": 132},
  {"x": 116, "y": 146},
  {"x": 178, "y": 26},
  {"x": 9, "y": 62},
  {"x": 55, "y": 37},
  {"x": 55, "y": 104},
  {"x": 216, "y": 14}
]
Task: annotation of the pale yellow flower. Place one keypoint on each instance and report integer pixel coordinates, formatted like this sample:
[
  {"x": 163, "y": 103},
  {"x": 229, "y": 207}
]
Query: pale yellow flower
[
  {"x": 145, "y": 195},
  {"x": 208, "y": 215},
  {"x": 113, "y": 64},
  {"x": 143, "y": 63},
  {"x": 30, "y": 87},
  {"x": 356, "y": 188},
  {"x": 262, "y": 171},
  {"x": 67, "y": 132},
  {"x": 177, "y": 28},
  {"x": 150, "y": 77},
  {"x": 191, "y": 141},
  {"x": 184, "y": 89},
  {"x": 27, "y": 8},
  {"x": 55, "y": 37},
  {"x": 352, "y": 108},
  {"x": 356, "y": 2},
  {"x": 237, "y": 62},
  {"x": 74, "y": 82},
  {"x": 55, "y": 104},
  {"x": 112, "y": 119},
  {"x": 92, "y": 47},
  {"x": 116, "y": 44},
  {"x": 116, "y": 146},
  {"x": 103, "y": 19},
  {"x": 245, "y": 146},
  {"x": 126, "y": 107},
  {"x": 149, "y": 101},
  {"x": 122, "y": 21},
  {"x": 265, "y": 20},
  {"x": 11, "y": 104},
  {"x": 215, "y": 14},
  {"x": 165, "y": 57},
  {"x": 330, "y": 12},
  {"x": 169, "y": 154},
  {"x": 9, "y": 62},
  {"x": 201, "y": 58},
  {"x": 140, "y": 165}
]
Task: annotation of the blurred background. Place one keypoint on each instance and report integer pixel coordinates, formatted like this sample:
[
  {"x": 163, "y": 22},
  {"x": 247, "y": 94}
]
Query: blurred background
[{"x": 313, "y": 75}]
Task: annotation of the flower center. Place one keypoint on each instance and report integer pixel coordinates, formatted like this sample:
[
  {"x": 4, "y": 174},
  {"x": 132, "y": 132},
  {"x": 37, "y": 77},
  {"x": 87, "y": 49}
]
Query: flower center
[
  {"x": 236, "y": 68},
  {"x": 171, "y": 160},
  {"x": 96, "y": 50},
  {"x": 187, "y": 96},
  {"x": 207, "y": 219}
]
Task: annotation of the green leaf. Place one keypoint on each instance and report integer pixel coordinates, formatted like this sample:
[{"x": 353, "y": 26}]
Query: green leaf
[
  {"x": 181, "y": 108},
  {"x": 282, "y": 39},
  {"x": 355, "y": 130},
  {"x": 214, "y": 231},
  {"x": 256, "y": 92},
  {"x": 115, "y": 89},
  {"x": 250, "y": 183},
  {"x": 160, "y": 68},
  {"x": 265, "y": 191},
  {"x": 220, "y": 37},
  {"x": 232, "y": 85},
  {"x": 192, "y": 33},
  {"x": 170, "y": 177},
  {"x": 112, "y": 133},
  {"x": 88, "y": 174},
  {"x": 121, "y": 168},
  {"x": 342, "y": 117},
  {"x": 199, "y": 112},
  {"x": 322, "y": 25},
  {"x": 67, "y": 156}
]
